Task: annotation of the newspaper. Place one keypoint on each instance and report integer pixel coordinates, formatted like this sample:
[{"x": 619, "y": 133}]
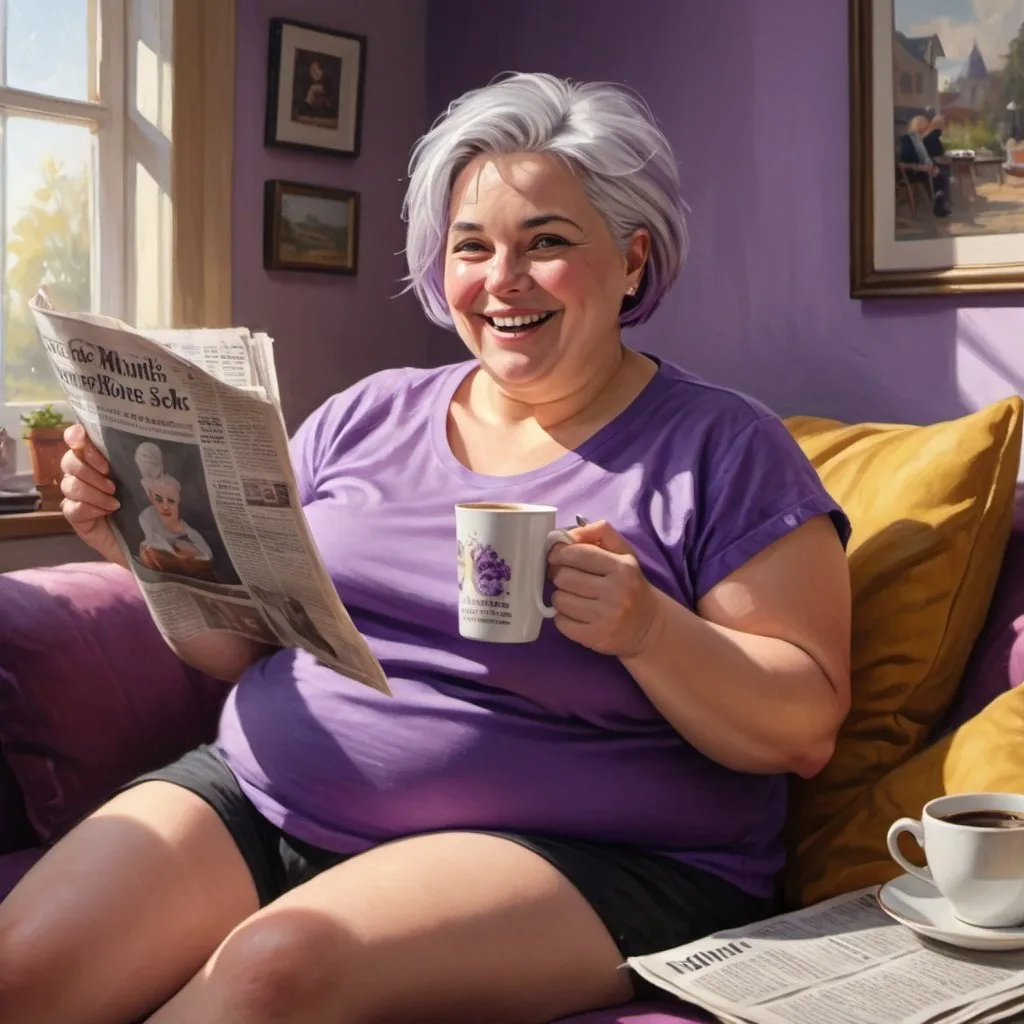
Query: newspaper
[
  {"x": 210, "y": 519},
  {"x": 842, "y": 961}
]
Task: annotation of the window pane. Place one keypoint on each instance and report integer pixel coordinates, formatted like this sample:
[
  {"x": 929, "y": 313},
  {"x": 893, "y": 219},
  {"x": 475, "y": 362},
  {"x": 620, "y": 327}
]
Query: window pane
[
  {"x": 48, "y": 47},
  {"x": 152, "y": 230},
  {"x": 149, "y": 75},
  {"x": 49, "y": 232}
]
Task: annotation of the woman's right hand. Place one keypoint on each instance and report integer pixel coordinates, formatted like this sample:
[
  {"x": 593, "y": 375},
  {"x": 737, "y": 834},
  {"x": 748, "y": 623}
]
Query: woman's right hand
[{"x": 89, "y": 494}]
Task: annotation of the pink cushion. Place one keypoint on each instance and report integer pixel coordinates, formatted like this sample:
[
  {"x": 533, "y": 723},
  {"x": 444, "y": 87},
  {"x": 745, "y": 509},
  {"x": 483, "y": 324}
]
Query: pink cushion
[{"x": 90, "y": 695}]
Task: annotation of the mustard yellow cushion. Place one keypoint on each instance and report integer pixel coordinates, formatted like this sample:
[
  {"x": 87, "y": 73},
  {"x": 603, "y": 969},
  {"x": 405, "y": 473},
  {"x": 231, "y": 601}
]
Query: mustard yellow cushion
[
  {"x": 985, "y": 755},
  {"x": 931, "y": 509}
]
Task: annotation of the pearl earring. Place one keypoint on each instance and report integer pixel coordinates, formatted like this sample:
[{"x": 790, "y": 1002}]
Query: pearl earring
[{"x": 631, "y": 290}]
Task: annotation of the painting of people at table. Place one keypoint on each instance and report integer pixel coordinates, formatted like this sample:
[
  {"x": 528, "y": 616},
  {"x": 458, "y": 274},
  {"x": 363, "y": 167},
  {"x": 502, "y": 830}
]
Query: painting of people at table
[{"x": 958, "y": 117}]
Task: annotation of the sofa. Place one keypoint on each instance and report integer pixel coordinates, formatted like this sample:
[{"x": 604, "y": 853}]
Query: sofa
[{"x": 91, "y": 696}]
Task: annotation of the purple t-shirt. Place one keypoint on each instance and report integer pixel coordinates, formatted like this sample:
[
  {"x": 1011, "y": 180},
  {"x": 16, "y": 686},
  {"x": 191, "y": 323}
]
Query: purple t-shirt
[{"x": 549, "y": 737}]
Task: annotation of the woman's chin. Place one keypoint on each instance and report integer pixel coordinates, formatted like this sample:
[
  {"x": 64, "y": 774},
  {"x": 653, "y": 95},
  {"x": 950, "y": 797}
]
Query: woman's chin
[{"x": 514, "y": 366}]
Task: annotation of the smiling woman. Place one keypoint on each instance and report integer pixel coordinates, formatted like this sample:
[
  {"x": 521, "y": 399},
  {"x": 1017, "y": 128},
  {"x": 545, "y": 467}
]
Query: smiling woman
[
  {"x": 489, "y": 841},
  {"x": 535, "y": 282}
]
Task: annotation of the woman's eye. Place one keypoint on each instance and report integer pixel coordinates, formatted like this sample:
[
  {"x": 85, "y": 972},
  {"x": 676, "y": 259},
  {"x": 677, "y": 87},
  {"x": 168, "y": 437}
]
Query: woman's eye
[
  {"x": 549, "y": 242},
  {"x": 468, "y": 246}
]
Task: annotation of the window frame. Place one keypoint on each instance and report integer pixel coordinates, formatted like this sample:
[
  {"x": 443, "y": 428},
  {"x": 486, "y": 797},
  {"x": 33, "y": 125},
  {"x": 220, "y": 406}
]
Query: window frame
[{"x": 104, "y": 114}]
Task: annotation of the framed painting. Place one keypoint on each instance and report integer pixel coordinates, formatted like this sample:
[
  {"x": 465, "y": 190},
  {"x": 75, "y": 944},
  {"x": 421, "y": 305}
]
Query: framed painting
[
  {"x": 314, "y": 88},
  {"x": 310, "y": 227},
  {"x": 937, "y": 157}
]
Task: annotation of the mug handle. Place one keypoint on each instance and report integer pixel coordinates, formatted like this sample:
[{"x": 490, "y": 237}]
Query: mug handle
[
  {"x": 916, "y": 829},
  {"x": 553, "y": 538}
]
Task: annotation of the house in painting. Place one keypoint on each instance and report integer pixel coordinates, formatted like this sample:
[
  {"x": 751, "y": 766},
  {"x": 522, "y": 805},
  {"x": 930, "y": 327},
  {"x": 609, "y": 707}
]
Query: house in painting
[{"x": 915, "y": 76}]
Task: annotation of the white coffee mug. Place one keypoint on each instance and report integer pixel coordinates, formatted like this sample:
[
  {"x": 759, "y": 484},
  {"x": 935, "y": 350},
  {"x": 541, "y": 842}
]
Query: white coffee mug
[
  {"x": 502, "y": 564},
  {"x": 978, "y": 868}
]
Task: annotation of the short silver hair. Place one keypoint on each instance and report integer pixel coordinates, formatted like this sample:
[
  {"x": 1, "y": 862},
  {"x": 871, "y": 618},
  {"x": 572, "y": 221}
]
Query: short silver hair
[{"x": 605, "y": 134}]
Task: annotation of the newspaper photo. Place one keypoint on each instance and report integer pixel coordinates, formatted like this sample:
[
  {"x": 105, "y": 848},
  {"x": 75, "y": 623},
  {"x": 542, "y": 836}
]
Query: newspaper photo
[
  {"x": 842, "y": 961},
  {"x": 210, "y": 519}
]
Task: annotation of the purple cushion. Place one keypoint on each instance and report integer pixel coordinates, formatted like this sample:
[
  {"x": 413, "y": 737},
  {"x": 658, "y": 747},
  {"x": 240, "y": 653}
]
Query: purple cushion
[
  {"x": 669, "y": 1012},
  {"x": 90, "y": 695},
  {"x": 15, "y": 830},
  {"x": 997, "y": 660}
]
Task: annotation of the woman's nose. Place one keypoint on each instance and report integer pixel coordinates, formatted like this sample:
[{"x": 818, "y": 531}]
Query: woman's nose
[{"x": 507, "y": 272}]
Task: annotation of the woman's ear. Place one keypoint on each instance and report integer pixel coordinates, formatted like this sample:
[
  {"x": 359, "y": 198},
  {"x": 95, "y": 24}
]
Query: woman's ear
[{"x": 637, "y": 252}]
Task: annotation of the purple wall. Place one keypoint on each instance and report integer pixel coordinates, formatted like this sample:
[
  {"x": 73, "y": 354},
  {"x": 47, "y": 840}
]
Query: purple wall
[
  {"x": 754, "y": 97},
  {"x": 329, "y": 330}
]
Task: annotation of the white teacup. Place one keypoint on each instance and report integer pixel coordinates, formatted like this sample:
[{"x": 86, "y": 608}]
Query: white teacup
[
  {"x": 976, "y": 862},
  {"x": 503, "y": 556}
]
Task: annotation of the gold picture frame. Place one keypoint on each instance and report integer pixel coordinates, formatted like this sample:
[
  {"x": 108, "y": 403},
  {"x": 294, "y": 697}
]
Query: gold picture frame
[{"x": 909, "y": 235}]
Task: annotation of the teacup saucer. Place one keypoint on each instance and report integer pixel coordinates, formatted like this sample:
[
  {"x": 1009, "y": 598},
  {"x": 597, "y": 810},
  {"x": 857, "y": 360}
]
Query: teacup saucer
[{"x": 920, "y": 906}]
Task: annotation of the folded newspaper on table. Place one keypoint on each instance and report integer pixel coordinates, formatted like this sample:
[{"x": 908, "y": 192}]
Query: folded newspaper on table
[
  {"x": 210, "y": 518},
  {"x": 842, "y": 961}
]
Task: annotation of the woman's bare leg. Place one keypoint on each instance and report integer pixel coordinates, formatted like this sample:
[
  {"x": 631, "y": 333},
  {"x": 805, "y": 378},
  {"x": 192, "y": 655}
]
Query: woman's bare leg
[
  {"x": 122, "y": 911},
  {"x": 445, "y": 928}
]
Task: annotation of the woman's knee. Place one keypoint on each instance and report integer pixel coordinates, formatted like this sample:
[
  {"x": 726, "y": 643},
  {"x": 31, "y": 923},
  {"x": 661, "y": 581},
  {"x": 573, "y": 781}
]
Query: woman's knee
[{"x": 278, "y": 963}]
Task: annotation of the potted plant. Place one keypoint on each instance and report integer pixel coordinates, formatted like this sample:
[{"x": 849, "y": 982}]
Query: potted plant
[{"x": 44, "y": 435}]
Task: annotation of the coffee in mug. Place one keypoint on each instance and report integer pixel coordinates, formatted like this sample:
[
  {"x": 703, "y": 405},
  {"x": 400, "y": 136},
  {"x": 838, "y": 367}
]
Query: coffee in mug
[
  {"x": 502, "y": 550},
  {"x": 974, "y": 845},
  {"x": 986, "y": 819}
]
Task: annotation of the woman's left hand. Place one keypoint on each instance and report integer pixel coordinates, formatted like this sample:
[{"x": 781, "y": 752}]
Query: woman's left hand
[{"x": 602, "y": 597}]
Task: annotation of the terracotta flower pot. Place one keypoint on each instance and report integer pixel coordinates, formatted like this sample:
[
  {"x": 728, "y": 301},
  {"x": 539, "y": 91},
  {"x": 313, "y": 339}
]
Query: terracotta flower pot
[{"x": 46, "y": 447}]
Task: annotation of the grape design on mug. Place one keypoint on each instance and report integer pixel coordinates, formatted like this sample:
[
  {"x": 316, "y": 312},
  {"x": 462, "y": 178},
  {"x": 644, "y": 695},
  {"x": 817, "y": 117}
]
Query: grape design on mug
[{"x": 488, "y": 571}]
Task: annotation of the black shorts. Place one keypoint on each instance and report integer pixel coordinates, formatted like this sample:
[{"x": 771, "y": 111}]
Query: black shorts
[{"x": 647, "y": 902}]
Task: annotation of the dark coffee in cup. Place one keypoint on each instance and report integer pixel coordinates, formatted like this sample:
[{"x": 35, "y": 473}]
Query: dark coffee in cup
[
  {"x": 986, "y": 819},
  {"x": 974, "y": 845}
]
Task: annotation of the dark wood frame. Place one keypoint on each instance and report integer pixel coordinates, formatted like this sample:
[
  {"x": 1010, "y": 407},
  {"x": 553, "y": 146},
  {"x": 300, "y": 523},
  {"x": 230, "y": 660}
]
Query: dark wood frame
[
  {"x": 277, "y": 26},
  {"x": 865, "y": 280},
  {"x": 273, "y": 190}
]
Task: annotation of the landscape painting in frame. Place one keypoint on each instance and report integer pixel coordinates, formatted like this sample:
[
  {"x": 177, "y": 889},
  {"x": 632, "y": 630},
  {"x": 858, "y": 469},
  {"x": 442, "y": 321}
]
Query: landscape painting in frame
[
  {"x": 310, "y": 227},
  {"x": 937, "y": 146}
]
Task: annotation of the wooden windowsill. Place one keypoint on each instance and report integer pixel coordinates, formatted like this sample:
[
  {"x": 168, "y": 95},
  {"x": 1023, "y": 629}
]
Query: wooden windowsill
[{"x": 17, "y": 525}]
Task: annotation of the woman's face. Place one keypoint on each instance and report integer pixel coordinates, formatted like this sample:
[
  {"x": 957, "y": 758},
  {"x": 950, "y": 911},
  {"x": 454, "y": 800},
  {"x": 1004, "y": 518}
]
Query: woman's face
[
  {"x": 165, "y": 501},
  {"x": 533, "y": 277}
]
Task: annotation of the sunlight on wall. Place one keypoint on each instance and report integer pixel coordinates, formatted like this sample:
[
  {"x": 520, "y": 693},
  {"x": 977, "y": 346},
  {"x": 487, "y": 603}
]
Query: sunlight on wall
[
  {"x": 149, "y": 161},
  {"x": 984, "y": 374}
]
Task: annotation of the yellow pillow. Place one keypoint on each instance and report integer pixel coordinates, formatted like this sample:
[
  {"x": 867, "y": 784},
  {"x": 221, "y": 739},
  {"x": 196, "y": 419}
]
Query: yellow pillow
[
  {"x": 931, "y": 509},
  {"x": 985, "y": 755}
]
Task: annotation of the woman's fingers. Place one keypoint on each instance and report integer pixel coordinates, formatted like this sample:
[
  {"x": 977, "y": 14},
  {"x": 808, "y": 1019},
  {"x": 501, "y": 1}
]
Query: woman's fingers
[
  {"x": 79, "y": 490},
  {"x": 78, "y": 441},
  {"x": 81, "y": 516},
  {"x": 73, "y": 465}
]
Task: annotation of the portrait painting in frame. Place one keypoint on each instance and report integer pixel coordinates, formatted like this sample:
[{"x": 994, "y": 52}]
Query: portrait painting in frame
[
  {"x": 315, "y": 80},
  {"x": 937, "y": 146}
]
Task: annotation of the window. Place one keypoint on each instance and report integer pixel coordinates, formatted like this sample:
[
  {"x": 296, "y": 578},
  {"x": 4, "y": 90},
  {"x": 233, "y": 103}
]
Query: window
[
  {"x": 918, "y": 82},
  {"x": 85, "y": 119},
  {"x": 906, "y": 83}
]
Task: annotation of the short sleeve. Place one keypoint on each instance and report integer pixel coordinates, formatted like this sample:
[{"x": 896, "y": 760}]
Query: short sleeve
[
  {"x": 338, "y": 424},
  {"x": 762, "y": 488},
  {"x": 319, "y": 435},
  {"x": 303, "y": 449}
]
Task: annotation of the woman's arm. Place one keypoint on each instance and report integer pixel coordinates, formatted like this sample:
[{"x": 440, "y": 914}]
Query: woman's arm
[
  {"x": 759, "y": 680},
  {"x": 220, "y": 654}
]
